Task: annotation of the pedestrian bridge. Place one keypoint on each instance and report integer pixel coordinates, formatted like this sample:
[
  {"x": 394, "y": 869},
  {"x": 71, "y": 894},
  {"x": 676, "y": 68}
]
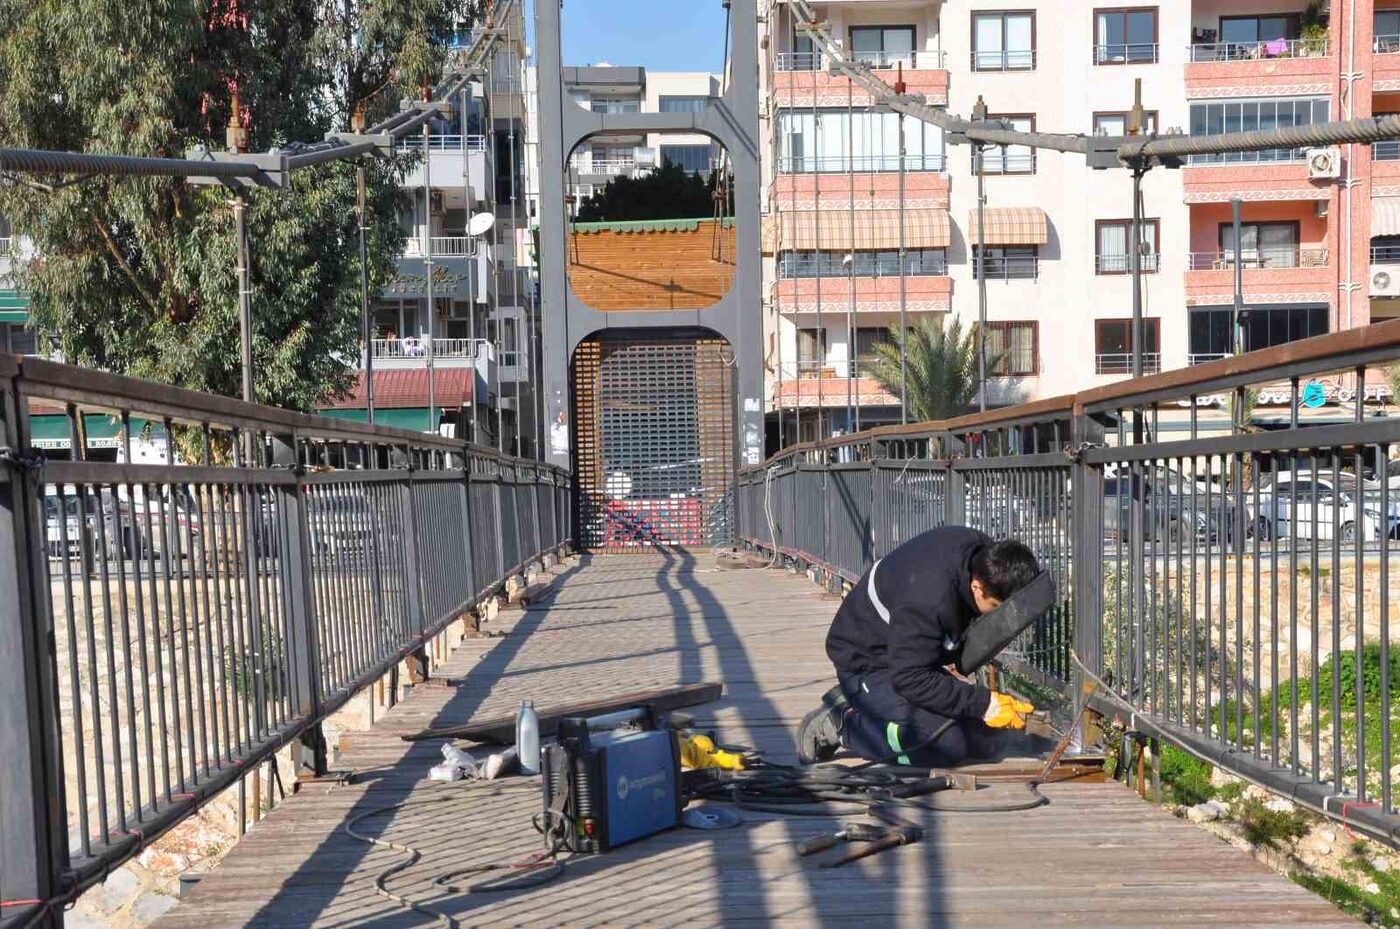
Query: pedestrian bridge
[
  {"x": 612, "y": 625},
  {"x": 172, "y": 630}
]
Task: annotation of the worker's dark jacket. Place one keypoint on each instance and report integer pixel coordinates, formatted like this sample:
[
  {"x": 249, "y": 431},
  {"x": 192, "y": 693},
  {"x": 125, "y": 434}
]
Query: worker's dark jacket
[{"x": 908, "y": 615}]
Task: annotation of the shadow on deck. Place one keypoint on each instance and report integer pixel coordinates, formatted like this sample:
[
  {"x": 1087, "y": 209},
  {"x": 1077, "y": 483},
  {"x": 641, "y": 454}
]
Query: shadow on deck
[{"x": 1095, "y": 854}]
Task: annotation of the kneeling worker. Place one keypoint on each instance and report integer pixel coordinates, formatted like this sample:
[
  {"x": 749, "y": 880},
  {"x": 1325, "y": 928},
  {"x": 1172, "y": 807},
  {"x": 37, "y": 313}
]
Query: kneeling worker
[{"x": 894, "y": 641}]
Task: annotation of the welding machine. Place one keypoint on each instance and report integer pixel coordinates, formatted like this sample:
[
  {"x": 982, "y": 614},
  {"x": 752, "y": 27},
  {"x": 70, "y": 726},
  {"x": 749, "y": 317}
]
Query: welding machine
[{"x": 610, "y": 788}]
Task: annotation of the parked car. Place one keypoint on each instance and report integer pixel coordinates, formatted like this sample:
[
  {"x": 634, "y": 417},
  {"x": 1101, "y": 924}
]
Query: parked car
[
  {"x": 140, "y": 521},
  {"x": 63, "y": 535},
  {"x": 1318, "y": 505},
  {"x": 1167, "y": 509},
  {"x": 338, "y": 519}
]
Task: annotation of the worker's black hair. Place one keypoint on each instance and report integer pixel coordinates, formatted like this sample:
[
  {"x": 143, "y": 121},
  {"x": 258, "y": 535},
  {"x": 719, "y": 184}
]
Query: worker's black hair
[{"x": 1004, "y": 567}]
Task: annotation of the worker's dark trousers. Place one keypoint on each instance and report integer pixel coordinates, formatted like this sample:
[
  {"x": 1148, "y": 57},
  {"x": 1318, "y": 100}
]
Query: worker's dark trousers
[{"x": 882, "y": 723}]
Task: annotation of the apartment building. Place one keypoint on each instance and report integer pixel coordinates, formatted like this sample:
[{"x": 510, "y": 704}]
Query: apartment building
[
  {"x": 482, "y": 342},
  {"x": 1319, "y": 227},
  {"x": 606, "y": 88}
]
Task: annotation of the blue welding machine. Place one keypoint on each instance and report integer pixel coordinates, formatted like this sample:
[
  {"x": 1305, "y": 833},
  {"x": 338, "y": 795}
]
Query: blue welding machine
[{"x": 611, "y": 788}]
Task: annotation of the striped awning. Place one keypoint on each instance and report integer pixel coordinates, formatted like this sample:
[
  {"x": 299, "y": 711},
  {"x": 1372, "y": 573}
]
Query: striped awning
[
  {"x": 1012, "y": 225},
  {"x": 836, "y": 229},
  {"x": 1385, "y": 216}
]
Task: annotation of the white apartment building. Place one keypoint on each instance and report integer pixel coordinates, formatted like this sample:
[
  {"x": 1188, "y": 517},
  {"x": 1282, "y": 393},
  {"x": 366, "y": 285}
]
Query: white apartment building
[{"x": 1058, "y": 294}]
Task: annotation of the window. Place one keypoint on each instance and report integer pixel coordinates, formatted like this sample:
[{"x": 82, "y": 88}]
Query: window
[
  {"x": 1210, "y": 334},
  {"x": 1008, "y": 159},
  {"x": 677, "y": 104},
  {"x": 1008, "y": 262},
  {"x": 1387, "y": 31},
  {"x": 1111, "y": 254},
  {"x": 1113, "y": 346},
  {"x": 918, "y": 262},
  {"x": 883, "y": 46},
  {"x": 1214, "y": 117},
  {"x": 811, "y": 350},
  {"x": 692, "y": 158},
  {"x": 1116, "y": 123},
  {"x": 1003, "y": 41},
  {"x": 1252, "y": 30},
  {"x": 1262, "y": 245},
  {"x": 868, "y": 338},
  {"x": 1123, "y": 37},
  {"x": 1013, "y": 349},
  {"x": 615, "y": 105},
  {"x": 814, "y": 143}
]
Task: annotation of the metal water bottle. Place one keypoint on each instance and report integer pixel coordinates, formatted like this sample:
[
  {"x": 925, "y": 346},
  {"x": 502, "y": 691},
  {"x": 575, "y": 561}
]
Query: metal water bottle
[{"x": 527, "y": 737}]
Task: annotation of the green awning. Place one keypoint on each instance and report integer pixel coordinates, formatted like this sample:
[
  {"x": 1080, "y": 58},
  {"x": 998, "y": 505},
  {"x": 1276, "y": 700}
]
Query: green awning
[
  {"x": 412, "y": 418},
  {"x": 14, "y": 307},
  {"x": 50, "y": 431}
]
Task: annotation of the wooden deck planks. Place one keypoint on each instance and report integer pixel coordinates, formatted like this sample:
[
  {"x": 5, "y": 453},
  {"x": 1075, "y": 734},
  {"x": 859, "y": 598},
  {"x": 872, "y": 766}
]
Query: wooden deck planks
[{"x": 614, "y": 625}]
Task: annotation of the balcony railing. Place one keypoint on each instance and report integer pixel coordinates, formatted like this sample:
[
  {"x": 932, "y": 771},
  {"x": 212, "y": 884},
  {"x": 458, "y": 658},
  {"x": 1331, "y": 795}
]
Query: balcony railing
[
  {"x": 1132, "y": 53},
  {"x": 1386, "y": 44},
  {"x": 1267, "y": 156},
  {"x": 810, "y": 268},
  {"x": 411, "y": 347},
  {"x": 1123, "y": 264},
  {"x": 915, "y": 60},
  {"x": 442, "y": 143},
  {"x": 1389, "y": 150},
  {"x": 1023, "y": 60},
  {"x": 1012, "y": 268},
  {"x": 7, "y": 245},
  {"x": 1260, "y": 259},
  {"x": 1385, "y": 254},
  {"x": 1197, "y": 358},
  {"x": 861, "y": 164},
  {"x": 1256, "y": 51},
  {"x": 1122, "y": 363},
  {"x": 443, "y": 246}
]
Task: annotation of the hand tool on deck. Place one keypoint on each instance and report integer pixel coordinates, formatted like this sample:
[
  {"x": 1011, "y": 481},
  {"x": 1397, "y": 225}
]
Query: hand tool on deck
[
  {"x": 850, "y": 832},
  {"x": 899, "y": 831}
]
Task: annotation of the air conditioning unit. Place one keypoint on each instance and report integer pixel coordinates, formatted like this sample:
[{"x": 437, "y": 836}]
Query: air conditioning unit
[
  {"x": 1385, "y": 283},
  {"x": 1324, "y": 163}
]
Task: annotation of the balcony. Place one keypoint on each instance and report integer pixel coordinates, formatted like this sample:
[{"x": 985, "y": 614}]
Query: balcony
[
  {"x": 1199, "y": 358},
  {"x": 1271, "y": 275},
  {"x": 441, "y": 143},
  {"x": 1016, "y": 60},
  {"x": 1385, "y": 254},
  {"x": 804, "y": 78},
  {"x": 860, "y": 164},
  {"x": 927, "y": 292},
  {"x": 811, "y": 384},
  {"x": 1385, "y": 65},
  {"x": 1282, "y": 174},
  {"x": 1226, "y": 69},
  {"x": 1122, "y": 363},
  {"x": 1388, "y": 150},
  {"x": 446, "y": 154}
]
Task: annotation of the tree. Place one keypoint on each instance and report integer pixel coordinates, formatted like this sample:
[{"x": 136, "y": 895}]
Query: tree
[
  {"x": 667, "y": 192},
  {"x": 137, "y": 274},
  {"x": 941, "y": 362}
]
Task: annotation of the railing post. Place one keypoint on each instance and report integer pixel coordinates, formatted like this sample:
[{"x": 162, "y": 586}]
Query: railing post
[
  {"x": 954, "y": 485},
  {"x": 1086, "y": 551},
  {"x": 303, "y": 652},
  {"x": 417, "y": 659},
  {"x": 468, "y": 543},
  {"x": 33, "y": 832}
]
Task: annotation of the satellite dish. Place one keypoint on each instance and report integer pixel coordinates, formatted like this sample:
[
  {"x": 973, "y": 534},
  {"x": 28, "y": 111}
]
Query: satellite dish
[{"x": 480, "y": 224}]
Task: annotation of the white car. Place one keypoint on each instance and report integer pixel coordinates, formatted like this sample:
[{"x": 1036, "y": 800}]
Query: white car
[{"x": 1317, "y": 505}]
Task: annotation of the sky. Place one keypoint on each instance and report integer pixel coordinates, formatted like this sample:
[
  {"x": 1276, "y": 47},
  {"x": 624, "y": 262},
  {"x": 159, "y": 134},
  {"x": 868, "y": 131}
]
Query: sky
[{"x": 662, "y": 35}]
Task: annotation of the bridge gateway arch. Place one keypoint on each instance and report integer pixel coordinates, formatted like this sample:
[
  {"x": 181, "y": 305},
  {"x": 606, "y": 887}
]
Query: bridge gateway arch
[{"x": 690, "y": 380}]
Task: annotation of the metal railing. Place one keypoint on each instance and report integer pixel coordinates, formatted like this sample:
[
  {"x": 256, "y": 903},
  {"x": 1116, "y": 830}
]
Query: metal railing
[
  {"x": 1197, "y": 358},
  {"x": 1126, "y": 53},
  {"x": 1149, "y": 262},
  {"x": 1253, "y": 259},
  {"x": 1008, "y": 268},
  {"x": 1386, "y": 44},
  {"x": 1257, "y": 51},
  {"x": 865, "y": 266},
  {"x": 1385, "y": 254},
  {"x": 165, "y": 628},
  {"x": 7, "y": 246},
  {"x": 998, "y": 161},
  {"x": 442, "y": 143},
  {"x": 1230, "y": 589},
  {"x": 1264, "y": 156},
  {"x": 443, "y": 246},
  {"x": 862, "y": 164},
  {"x": 1023, "y": 60},
  {"x": 1122, "y": 363},
  {"x": 415, "y": 347},
  {"x": 913, "y": 61},
  {"x": 1385, "y": 151}
]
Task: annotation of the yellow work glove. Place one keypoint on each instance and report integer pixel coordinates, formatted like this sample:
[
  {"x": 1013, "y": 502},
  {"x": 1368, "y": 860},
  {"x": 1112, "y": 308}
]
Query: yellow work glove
[{"x": 1006, "y": 712}]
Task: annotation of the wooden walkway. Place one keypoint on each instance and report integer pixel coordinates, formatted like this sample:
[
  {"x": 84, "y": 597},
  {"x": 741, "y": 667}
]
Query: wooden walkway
[{"x": 1096, "y": 855}]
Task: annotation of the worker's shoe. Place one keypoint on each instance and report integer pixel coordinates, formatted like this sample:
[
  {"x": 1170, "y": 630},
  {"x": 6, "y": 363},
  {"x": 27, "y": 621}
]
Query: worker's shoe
[{"x": 819, "y": 735}]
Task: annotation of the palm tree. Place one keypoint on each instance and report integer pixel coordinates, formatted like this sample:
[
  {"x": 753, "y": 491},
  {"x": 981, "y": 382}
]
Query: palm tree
[{"x": 941, "y": 364}]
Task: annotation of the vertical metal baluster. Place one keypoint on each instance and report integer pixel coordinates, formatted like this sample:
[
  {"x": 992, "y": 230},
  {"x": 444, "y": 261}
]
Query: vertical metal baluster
[
  {"x": 90, "y": 549},
  {"x": 145, "y": 584},
  {"x": 1226, "y": 527},
  {"x": 1336, "y": 507},
  {"x": 197, "y": 681},
  {"x": 1359, "y": 603},
  {"x": 1386, "y": 759},
  {"x": 1316, "y": 592},
  {"x": 133, "y": 747},
  {"x": 1257, "y": 695},
  {"x": 1273, "y": 620},
  {"x": 1207, "y": 624},
  {"x": 74, "y": 677}
]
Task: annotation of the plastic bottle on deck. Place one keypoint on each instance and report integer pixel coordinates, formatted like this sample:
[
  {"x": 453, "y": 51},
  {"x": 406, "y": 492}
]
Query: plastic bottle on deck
[{"x": 527, "y": 737}]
